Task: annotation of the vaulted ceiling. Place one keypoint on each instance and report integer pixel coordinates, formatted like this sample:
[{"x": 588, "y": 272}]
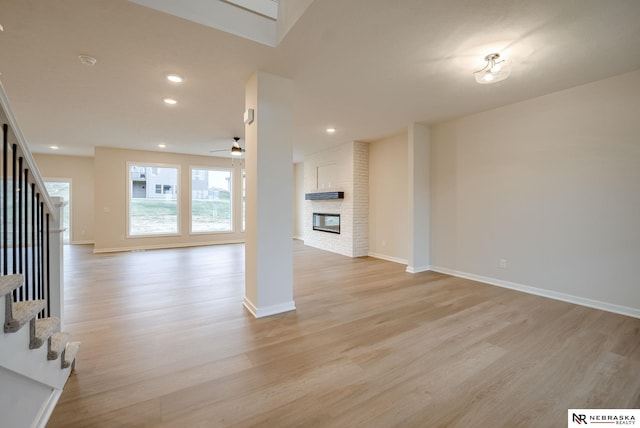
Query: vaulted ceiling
[{"x": 366, "y": 67}]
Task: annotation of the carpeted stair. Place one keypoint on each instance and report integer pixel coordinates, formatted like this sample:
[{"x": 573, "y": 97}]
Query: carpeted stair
[{"x": 42, "y": 330}]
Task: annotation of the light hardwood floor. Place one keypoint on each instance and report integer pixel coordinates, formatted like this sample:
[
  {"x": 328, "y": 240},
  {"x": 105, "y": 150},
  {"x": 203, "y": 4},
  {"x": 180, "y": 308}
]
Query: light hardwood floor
[{"x": 167, "y": 343}]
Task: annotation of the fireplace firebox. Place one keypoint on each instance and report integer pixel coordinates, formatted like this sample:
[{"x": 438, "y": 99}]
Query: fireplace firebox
[{"x": 326, "y": 222}]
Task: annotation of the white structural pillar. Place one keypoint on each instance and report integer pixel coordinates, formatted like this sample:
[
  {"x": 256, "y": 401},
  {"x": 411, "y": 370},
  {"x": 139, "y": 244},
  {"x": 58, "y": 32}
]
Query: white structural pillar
[
  {"x": 269, "y": 195},
  {"x": 418, "y": 260}
]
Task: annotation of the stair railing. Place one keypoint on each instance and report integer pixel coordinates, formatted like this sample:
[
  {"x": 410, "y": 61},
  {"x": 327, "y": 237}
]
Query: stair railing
[{"x": 31, "y": 233}]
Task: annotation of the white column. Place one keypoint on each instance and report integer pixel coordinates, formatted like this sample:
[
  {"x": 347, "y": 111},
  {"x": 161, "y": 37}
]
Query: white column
[
  {"x": 269, "y": 196},
  {"x": 56, "y": 261},
  {"x": 418, "y": 162}
]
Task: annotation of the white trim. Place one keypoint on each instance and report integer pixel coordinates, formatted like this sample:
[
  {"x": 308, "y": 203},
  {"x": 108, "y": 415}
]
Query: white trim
[
  {"x": 418, "y": 269},
  {"x": 167, "y": 246},
  {"x": 231, "y": 171},
  {"x": 577, "y": 300},
  {"x": 46, "y": 410},
  {"x": 178, "y": 167},
  {"x": 269, "y": 310},
  {"x": 388, "y": 258},
  {"x": 83, "y": 242}
]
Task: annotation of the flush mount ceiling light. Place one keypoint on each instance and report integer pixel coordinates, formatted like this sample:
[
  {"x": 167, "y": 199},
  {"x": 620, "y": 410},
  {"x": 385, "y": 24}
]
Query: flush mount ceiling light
[
  {"x": 87, "y": 60},
  {"x": 331, "y": 130},
  {"x": 170, "y": 101},
  {"x": 54, "y": 147},
  {"x": 494, "y": 71},
  {"x": 174, "y": 78},
  {"x": 162, "y": 146}
]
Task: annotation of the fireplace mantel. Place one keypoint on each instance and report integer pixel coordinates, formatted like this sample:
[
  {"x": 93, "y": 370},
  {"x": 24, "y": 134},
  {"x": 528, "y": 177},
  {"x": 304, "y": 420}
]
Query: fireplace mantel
[{"x": 324, "y": 195}]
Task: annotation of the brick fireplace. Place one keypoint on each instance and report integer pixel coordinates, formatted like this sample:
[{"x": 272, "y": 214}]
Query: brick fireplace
[{"x": 343, "y": 169}]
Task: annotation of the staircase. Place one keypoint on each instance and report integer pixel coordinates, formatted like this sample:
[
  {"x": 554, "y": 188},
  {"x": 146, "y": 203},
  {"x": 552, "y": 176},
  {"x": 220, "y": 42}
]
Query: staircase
[
  {"x": 41, "y": 330},
  {"x": 36, "y": 358}
]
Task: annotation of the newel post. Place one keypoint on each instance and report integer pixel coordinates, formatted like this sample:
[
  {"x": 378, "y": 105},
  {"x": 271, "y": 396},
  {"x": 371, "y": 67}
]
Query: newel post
[{"x": 56, "y": 261}]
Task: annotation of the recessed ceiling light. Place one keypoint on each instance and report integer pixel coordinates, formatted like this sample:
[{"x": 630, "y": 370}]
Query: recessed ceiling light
[
  {"x": 54, "y": 147},
  {"x": 162, "y": 146},
  {"x": 174, "y": 78},
  {"x": 170, "y": 101},
  {"x": 331, "y": 130}
]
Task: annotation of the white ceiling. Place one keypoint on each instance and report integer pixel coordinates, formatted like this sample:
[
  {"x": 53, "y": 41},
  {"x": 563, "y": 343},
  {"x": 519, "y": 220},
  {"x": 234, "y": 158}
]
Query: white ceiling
[{"x": 366, "y": 67}]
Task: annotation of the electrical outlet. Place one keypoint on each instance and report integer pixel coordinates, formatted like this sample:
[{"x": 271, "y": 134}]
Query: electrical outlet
[{"x": 502, "y": 263}]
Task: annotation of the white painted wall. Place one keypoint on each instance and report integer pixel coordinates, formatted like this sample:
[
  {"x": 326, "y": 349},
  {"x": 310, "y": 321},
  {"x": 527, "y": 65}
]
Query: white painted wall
[
  {"x": 23, "y": 401},
  {"x": 388, "y": 198},
  {"x": 289, "y": 11},
  {"x": 298, "y": 200},
  {"x": 551, "y": 185}
]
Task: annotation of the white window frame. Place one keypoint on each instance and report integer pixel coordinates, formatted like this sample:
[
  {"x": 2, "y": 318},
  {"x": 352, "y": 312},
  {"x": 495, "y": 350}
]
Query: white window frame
[
  {"x": 231, "y": 202},
  {"x": 178, "y": 196}
]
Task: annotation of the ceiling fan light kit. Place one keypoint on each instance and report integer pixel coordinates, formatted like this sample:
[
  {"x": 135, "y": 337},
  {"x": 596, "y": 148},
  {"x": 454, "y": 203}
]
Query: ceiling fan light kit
[
  {"x": 495, "y": 70},
  {"x": 236, "y": 150}
]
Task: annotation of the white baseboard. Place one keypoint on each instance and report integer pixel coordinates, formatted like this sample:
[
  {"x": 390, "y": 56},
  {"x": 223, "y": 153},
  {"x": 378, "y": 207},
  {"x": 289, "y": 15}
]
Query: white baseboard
[
  {"x": 582, "y": 301},
  {"x": 83, "y": 242},
  {"x": 418, "y": 269},
  {"x": 388, "y": 258},
  {"x": 166, "y": 246},
  {"x": 47, "y": 409},
  {"x": 268, "y": 310}
]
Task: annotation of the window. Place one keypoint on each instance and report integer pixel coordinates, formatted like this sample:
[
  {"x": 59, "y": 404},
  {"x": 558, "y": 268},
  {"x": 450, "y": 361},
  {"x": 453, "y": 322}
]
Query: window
[
  {"x": 153, "y": 200},
  {"x": 211, "y": 200}
]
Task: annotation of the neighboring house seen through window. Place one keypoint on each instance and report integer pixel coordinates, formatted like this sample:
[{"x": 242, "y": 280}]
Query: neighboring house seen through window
[
  {"x": 153, "y": 200},
  {"x": 211, "y": 200}
]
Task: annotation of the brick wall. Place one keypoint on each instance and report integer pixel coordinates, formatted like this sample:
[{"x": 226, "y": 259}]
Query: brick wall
[{"x": 344, "y": 168}]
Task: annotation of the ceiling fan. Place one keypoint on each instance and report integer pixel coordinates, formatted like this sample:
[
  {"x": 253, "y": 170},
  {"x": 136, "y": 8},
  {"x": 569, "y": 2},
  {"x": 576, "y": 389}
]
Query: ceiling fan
[{"x": 236, "y": 150}]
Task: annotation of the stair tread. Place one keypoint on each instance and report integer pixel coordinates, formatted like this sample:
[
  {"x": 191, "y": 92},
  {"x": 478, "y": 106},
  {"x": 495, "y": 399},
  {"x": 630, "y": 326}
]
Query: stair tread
[
  {"x": 70, "y": 354},
  {"x": 44, "y": 328},
  {"x": 57, "y": 344},
  {"x": 8, "y": 283},
  {"x": 22, "y": 313}
]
